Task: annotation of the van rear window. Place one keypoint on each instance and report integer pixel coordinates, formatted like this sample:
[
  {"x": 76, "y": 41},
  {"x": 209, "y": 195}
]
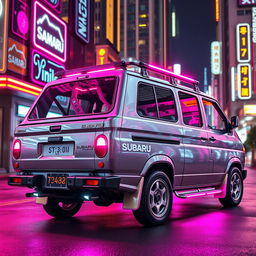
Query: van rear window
[{"x": 85, "y": 97}]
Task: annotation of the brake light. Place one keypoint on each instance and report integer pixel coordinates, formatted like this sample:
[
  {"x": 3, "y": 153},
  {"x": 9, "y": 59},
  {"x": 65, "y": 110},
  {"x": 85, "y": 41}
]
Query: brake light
[
  {"x": 101, "y": 146},
  {"x": 92, "y": 182},
  {"x": 16, "y": 149}
]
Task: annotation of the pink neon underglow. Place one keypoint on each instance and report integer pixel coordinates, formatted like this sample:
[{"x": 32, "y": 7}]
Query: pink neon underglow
[
  {"x": 171, "y": 73},
  {"x": 54, "y": 17},
  {"x": 196, "y": 195},
  {"x": 74, "y": 74},
  {"x": 101, "y": 70},
  {"x": 204, "y": 193}
]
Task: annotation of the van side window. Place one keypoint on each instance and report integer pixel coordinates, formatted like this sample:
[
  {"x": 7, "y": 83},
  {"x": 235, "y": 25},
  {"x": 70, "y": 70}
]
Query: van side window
[
  {"x": 215, "y": 119},
  {"x": 166, "y": 104},
  {"x": 146, "y": 104},
  {"x": 190, "y": 109}
]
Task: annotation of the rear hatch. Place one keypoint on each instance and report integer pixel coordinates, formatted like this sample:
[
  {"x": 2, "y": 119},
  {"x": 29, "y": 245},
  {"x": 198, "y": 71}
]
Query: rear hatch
[{"x": 59, "y": 131}]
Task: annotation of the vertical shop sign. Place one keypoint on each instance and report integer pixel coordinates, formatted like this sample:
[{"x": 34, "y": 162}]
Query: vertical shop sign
[
  {"x": 17, "y": 57},
  {"x": 20, "y": 23},
  {"x": 3, "y": 34},
  {"x": 215, "y": 58},
  {"x": 254, "y": 25},
  {"x": 244, "y": 81},
  {"x": 243, "y": 42},
  {"x": 43, "y": 69},
  {"x": 82, "y": 19},
  {"x": 246, "y": 3},
  {"x": 49, "y": 33}
]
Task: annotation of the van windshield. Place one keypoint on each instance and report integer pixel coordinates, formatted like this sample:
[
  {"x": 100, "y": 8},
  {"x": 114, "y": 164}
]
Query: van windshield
[{"x": 85, "y": 97}]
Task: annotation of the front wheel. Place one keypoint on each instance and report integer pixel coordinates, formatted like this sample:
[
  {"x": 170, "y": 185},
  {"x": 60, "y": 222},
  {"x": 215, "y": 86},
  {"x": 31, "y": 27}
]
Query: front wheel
[
  {"x": 156, "y": 200},
  {"x": 61, "y": 210},
  {"x": 234, "y": 192}
]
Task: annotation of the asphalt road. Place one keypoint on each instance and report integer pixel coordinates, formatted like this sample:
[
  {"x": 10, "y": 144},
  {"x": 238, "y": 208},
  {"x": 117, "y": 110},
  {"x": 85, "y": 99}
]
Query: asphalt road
[{"x": 197, "y": 226}]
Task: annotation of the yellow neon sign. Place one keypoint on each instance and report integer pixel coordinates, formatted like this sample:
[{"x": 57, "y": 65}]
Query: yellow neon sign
[
  {"x": 244, "y": 81},
  {"x": 243, "y": 42}
]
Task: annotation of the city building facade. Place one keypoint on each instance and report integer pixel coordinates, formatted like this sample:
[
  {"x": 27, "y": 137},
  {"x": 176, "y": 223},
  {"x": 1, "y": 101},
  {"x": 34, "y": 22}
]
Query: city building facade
[{"x": 233, "y": 60}]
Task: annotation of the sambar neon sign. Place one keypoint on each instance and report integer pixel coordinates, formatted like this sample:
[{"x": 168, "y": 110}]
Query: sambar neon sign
[{"x": 49, "y": 33}]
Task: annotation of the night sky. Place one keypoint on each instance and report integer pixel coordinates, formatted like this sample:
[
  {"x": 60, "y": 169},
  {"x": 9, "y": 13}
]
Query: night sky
[{"x": 195, "y": 32}]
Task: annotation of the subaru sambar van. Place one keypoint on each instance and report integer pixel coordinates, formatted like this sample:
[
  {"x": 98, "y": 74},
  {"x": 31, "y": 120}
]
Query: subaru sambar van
[{"x": 130, "y": 133}]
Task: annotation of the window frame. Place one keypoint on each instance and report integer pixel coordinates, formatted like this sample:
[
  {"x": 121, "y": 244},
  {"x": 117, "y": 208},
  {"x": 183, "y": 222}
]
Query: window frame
[
  {"x": 220, "y": 112},
  {"x": 199, "y": 107},
  {"x": 117, "y": 84},
  {"x": 156, "y": 101}
]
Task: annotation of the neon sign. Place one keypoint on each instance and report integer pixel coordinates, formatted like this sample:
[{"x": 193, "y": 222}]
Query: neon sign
[
  {"x": 3, "y": 34},
  {"x": 50, "y": 32},
  {"x": 243, "y": 42},
  {"x": 1, "y": 8},
  {"x": 17, "y": 85},
  {"x": 54, "y": 4},
  {"x": 20, "y": 23},
  {"x": 215, "y": 57},
  {"x": 246, "y": 3},
  {"x": 254, "y": 24},
  {"x": 43, "y": 69},
  {"x": 17, "y": 57},
  {"x": 82, "y": 22},
  {"x": 244, "y": 81}
]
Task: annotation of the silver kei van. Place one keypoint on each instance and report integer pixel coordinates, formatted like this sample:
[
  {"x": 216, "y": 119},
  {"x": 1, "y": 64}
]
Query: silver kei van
[{"x": 127, "y": 132}]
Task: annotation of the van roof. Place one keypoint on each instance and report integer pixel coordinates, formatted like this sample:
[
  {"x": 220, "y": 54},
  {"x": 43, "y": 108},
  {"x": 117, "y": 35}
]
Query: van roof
[{"x": 139, "y": 66}]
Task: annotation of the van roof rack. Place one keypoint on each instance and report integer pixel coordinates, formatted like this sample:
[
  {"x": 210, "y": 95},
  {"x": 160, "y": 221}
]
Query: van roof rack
[{"x": 144, "y": 68}]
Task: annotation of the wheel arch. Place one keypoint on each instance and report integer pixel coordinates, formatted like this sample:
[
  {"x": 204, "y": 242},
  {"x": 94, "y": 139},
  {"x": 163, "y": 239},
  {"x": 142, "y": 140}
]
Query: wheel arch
[
  {"x": 234, "y": 162},
  {"x": 159, "y": 162}
]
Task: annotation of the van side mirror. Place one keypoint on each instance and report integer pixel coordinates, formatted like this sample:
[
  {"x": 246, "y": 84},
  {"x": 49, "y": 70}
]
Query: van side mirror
[{"x": 234, "y": 122}]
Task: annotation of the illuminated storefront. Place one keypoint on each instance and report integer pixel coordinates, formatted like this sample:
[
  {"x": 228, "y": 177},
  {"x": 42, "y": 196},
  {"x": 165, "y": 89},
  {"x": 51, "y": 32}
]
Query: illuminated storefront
[{"x": 35, "y": 43}]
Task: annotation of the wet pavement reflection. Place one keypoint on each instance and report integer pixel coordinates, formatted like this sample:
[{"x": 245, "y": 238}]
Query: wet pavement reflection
[{"x": 198, "y": 226}]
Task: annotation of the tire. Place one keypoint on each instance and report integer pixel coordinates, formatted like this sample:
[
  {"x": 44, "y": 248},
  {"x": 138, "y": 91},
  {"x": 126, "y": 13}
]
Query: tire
[
  {"x": 61, "y": 210},
  {"x": 234, "y": 192},
  {"x": 156, "y": 200}
]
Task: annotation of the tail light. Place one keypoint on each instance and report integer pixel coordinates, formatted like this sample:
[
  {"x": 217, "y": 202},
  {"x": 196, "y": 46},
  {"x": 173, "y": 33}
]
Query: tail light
[
  {"x": 16, "y": 149},
  {"x": 101, "y": 146}
]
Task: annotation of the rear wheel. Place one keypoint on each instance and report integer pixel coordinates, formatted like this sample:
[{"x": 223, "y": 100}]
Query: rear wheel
[
  {"x": 156, "y": 200},
  {"x": 234, "y": 192},
  {"x": 61, "y": 210}
]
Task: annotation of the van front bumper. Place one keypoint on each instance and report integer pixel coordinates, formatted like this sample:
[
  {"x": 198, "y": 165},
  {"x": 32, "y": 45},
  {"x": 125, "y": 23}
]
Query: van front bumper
[{"x": 73, "y": 182}]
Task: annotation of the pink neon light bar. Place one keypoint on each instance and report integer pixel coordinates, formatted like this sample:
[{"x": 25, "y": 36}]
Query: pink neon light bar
[
  {"x": 74, "y": 74},
  {"x": 173, "y": 74},
  {"x": 101, "y": 70}
]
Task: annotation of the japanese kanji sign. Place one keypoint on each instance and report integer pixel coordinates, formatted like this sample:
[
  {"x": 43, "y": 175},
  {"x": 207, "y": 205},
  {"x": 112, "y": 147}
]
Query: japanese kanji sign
[
  {"x": 246, "y": 3},
  {"x": 244, "y": 81},
  {"x": 243, "y": 42},
  {"x": 215, "y": 57}
]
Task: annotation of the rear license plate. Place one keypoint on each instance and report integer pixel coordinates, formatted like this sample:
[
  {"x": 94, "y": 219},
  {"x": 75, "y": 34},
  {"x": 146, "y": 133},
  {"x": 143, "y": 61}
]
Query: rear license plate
[
  {"x": 57, "y": 180},
  {"x": 66, "y": 149}
]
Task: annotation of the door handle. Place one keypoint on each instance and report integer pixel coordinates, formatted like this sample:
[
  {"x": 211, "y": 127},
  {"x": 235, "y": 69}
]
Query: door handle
[
  {"x": 212, "y": 139},
  {"x": 203, "y": 139}
]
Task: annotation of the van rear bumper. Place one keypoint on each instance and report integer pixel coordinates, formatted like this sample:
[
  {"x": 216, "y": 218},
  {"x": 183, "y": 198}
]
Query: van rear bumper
[{"x": 73, "y": 182}]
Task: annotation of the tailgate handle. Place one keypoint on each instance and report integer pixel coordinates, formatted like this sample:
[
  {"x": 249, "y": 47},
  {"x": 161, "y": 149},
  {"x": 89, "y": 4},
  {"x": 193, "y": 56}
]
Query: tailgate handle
[{"x": 56, "y": 128}]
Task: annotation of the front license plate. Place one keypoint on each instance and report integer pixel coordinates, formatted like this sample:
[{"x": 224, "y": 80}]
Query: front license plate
[
  {"x": 66, "y": 149},
  {"x": 57, "y": 180}
]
